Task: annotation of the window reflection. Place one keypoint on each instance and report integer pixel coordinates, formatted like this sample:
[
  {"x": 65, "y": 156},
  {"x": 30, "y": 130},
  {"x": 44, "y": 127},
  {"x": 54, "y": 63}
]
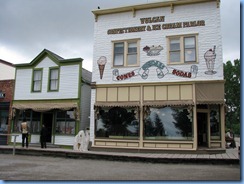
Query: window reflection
[
  {"x": 4, "y": 121},
  {"x": 215, "y": 122},
  {"x": 168, "y": 123},
  {"x": 65, "y": 122},
  {"x": 117, "y": 122},
  {"x": 33, "y": 119}
]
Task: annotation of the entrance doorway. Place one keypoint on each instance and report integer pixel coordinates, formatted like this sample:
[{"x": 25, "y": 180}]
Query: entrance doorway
[
  {"x": 202, "y": 129},
  {"x": 48, "y": 122}
]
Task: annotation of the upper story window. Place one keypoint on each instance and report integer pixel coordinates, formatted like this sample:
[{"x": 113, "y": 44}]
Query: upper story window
[
  {"x": 126, "y": 53},
  {"x": 37, "y": 80},
  {"x": 182, "y": 49},
  {"x": 53, "y": 79}
]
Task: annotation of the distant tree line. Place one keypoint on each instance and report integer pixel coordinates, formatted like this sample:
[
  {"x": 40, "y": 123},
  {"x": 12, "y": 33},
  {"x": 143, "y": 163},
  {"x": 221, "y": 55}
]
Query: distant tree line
[{"x": 232, "y": 94}]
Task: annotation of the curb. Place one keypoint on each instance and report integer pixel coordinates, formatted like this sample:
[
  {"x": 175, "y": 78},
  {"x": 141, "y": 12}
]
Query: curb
[{"x": 118, "y": 157}]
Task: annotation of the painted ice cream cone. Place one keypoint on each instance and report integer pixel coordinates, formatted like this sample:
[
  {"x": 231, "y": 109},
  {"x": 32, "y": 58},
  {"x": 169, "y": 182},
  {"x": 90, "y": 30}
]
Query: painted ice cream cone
[{"x": 101, "y": 65}]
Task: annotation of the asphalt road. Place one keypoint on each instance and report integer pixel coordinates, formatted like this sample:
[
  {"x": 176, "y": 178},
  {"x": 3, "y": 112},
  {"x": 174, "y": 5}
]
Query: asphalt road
[{"x": 20, "y": 167}]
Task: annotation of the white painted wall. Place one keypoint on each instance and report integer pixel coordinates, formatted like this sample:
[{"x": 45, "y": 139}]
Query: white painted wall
[
  {"x": 64, "y": 140},
  {"x": 209, "y": 35},
  {"x": 85, "y": 106},
  {"x": 6, "y": 72},
  {"x": 68, "y": 85}
]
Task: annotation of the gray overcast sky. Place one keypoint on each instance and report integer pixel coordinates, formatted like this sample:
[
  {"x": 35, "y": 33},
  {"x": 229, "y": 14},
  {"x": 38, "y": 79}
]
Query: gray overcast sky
[{"x": 65, "y": 27}]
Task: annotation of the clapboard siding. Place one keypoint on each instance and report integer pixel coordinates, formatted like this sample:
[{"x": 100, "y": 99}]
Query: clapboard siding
[
  {"x": 68, "y": 84},
  {"x": 6, "y": 72},
  {"x": 85, "y": 106},
  {"x": 64, "y": 140}
]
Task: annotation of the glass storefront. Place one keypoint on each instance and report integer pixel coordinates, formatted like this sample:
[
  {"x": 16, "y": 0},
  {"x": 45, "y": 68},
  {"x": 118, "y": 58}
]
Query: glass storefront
[
  {"x": 4, "y": 127},
  {"x": 117, "y": 122},
  {"x": 4, "y": 121},
  {"x": 168, "y": 123},
  {"x": 65, "y": 122},
  {"x": 33, "y": 118},
  {"x": 215, "y": 122}
]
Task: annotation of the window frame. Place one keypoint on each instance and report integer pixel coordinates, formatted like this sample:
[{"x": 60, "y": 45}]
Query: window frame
[
  {"x": 30, "y": 119},
  {"x": 182, "y": 49},
  {"x": 102, "y": 132},
  {"x": 126, "y": 53},
  {"x": 66, "y": 120},
  {"x": 49, "y": 79},
  {"x": 33, "y": 82},
  {"x": 180, "y": 109}
]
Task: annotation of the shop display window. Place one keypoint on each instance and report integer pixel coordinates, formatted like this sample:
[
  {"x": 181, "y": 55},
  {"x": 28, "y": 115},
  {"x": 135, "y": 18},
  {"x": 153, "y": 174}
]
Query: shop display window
[
  {"x": 215, "y": 122},
  {"x": 117, "y": 123},
  {"x": 168, "y": 123},
  {"x": 33, "y": 120},
  {"x": 65, "y": 122},
  {"x": 4, "y": 121}
]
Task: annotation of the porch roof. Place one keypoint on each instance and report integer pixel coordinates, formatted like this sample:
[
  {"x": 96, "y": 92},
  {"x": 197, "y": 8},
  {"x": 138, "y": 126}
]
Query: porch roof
[{"x": 45, "y": 106}]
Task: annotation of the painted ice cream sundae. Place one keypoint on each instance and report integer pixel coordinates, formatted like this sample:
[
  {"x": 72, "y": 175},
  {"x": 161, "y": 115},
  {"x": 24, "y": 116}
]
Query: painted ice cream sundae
[
  {"x": 153, "y": 50},
  {"x": 210, "y": 56},
  {"x": 101, "y": 65}
]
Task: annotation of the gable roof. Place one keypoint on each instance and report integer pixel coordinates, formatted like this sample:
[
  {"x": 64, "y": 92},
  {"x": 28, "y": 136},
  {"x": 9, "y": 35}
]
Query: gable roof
[
  {"x": 6, "y": 63},
  {"x": 54, "y": 57}
]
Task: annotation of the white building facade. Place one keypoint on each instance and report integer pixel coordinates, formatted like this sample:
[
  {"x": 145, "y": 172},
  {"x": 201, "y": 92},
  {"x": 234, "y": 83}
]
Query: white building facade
[
  {"x": 158, "y": 77},
  {"x": 49, "y": 91}
]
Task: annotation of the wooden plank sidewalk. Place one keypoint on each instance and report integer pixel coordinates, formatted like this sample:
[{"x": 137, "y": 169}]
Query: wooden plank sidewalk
[{"x": 230, "y": 157}]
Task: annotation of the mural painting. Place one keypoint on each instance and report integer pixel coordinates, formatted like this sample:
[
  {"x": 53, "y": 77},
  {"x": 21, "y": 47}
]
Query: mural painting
[
  {"x": 161, "y": 70},
  {"x": 101, "y": 62},
  {"x": 153, "y": 50},
  {"x": 209, "y": 57}
]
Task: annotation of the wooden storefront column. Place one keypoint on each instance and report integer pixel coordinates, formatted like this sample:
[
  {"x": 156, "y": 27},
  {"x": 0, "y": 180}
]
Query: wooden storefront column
[
  {"x": 222, "y": 124},
  {"x": 194, "y": 118},
  {"x": 141, "y": 118}
]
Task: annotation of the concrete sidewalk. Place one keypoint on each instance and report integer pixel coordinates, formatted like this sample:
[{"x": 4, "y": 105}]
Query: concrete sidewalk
[{"x": 230, "y": 157}]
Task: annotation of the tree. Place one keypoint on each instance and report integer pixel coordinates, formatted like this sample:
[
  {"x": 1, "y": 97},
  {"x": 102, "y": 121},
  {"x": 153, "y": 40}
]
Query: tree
[
  {"x": 182, "y": 122},
  {"x": 232, "y": 94}
]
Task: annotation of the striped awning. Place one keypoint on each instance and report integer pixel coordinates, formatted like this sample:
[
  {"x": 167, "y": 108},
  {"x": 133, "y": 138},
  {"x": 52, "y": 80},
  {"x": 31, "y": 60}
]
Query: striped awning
[
  {"x": 116, "y": 104},
  {"x": 45, "y": 106},
  {"x": 168, "y": 103}
]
